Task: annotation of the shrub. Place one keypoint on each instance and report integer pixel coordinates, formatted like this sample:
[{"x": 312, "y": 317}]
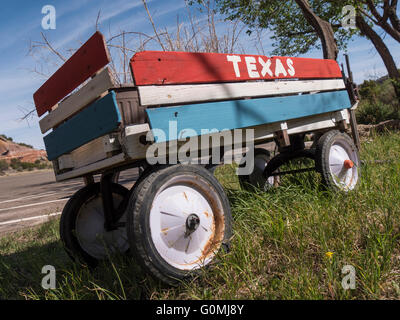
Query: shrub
[
  {"x": 18, "y": 165},
  {"x": 5, "y": 137},
  {"x": 3, "y": 165},
  {"x": 378, "y": 102},
  {"x": 25, "y": 145},
  {"x": 373, "y": 113}
]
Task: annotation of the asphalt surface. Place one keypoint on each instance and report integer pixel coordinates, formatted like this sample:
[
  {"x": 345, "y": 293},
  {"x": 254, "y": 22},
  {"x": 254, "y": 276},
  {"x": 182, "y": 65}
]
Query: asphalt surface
[{"x": 31, "y": 198}]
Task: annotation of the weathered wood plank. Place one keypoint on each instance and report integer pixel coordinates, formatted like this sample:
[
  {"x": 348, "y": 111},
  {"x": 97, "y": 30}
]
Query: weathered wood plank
[
  {"x": 77, "y": 101},
  {"x": 174, "y": 94},
  {"x": 98, "y": 119},
  {"x": 66, "y": 161},
  {"x": 83, "y": 64},
  {"x": 93, "y": 168},
  {"x": 96, "y": 150},
  {"x": 193, "y": 119},
  {"x": 160, "y": 68},
  {"x": 135, "y": 150}
]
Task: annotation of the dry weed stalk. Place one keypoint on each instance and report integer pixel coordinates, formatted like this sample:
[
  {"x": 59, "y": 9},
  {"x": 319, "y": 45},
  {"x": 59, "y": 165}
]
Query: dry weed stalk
[{"x": 195, "y": 35}]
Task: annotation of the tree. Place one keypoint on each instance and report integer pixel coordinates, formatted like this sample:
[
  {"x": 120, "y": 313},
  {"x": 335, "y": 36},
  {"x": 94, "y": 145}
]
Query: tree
[
  {"x": 322, "y": 28},
  {"x": 383, "y": 51},
  {"x": 299, "y": 26},
  {"x": 388, "y": 20}
]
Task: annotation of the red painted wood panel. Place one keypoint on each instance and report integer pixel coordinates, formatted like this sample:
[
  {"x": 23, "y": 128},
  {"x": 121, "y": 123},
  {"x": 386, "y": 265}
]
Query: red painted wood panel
[
  {"x": 159, "y": 67},
  {"x": 83, "y": 64}
]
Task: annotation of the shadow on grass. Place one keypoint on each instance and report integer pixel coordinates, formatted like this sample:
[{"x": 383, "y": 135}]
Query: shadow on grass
[{"x": 117, "y": 278}]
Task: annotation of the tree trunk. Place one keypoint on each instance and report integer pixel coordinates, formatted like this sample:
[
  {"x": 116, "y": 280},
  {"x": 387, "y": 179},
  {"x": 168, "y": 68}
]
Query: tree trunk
[
  {"x": 323, "y": 28},
  {"x": 383, "y": 51}
]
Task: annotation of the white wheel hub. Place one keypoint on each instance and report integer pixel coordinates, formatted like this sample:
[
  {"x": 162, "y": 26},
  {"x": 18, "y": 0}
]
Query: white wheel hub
[
  {"x": 91, "y": 234},
  {"x": 182, "y": 225},
  {"x": 343, "y": 163}
]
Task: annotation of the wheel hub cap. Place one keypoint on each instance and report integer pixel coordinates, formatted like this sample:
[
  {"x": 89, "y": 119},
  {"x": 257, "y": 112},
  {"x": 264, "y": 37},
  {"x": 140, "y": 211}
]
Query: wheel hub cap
[
  {"x": 343, "y": 163},
  {"x": 182, "y": 227}
]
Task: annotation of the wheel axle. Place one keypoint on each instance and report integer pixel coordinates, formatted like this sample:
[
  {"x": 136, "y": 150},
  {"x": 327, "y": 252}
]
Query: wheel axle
[{"x": 192, "y": 223}]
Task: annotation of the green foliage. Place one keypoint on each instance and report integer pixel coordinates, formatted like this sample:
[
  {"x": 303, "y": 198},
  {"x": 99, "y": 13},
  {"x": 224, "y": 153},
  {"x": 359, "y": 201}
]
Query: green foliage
[
  {"x": 18, "y": 165},
  {"x": 25, "y": 145},
  {"x": 378, "y": 102},
  {"x": 5, "y": 137},
  {"x": 291, "y": 33},
  {"x": 3, "y": 165},
  {"x": 19, "y": 143}
]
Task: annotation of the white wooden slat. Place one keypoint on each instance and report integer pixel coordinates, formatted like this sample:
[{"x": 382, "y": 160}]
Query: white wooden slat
[
  {"x": 133, "y": 149},
  {"x": 66, "y": 161},
  {"x": 91, "y": 152},
  {"x": 77, "y": 101},
  {"x": 173, "y": 94},
  {"x": 94, "y": 167}
]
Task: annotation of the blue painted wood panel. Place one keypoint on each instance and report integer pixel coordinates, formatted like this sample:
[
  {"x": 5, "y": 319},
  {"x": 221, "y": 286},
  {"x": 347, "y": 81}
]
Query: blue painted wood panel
[
  {"x": 235, "y": 114},
  {"x": 98, "y": 119}
]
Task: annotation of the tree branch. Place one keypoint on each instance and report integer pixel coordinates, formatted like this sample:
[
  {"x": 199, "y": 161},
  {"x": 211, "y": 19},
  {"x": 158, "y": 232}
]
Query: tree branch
[
  {"x": 382, "y": 21},
  {"x": 58, "y": 54},
  {"x": 154, "y": 26}
]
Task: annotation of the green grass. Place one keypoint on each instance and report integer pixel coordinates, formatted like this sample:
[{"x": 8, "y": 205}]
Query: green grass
[{"x": 279, "y": 245}]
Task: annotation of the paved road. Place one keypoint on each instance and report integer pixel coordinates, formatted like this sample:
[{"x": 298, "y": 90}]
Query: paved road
[{"x": 27, "y": 199}]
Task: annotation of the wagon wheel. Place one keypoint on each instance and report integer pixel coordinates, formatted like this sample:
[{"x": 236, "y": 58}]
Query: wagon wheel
[
  {"x": 338, "y": 161},
  {"x": 82, "y": 225},
  {"x": 256, "y": 178},
  {"x": 178, "y": 219}
]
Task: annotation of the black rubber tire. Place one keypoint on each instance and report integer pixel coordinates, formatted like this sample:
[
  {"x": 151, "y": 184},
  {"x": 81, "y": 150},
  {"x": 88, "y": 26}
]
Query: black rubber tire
[
  {"x": 248, "y": 181},
  {"x": 138, "y": 219},
  {"x": 323, "y": 148},
  {"x": 68, "y": 221}
]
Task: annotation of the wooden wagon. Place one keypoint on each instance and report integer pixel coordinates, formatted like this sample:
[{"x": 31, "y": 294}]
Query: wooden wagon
[{"x": 177, "y": 216}]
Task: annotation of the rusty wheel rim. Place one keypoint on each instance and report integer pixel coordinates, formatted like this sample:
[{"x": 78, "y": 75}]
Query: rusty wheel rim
[{"x": 186, "y": 222}]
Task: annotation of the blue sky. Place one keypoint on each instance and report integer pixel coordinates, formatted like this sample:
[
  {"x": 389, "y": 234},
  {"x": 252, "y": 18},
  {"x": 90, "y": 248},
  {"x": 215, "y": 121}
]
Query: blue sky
[{"x": 20, "y": 23}]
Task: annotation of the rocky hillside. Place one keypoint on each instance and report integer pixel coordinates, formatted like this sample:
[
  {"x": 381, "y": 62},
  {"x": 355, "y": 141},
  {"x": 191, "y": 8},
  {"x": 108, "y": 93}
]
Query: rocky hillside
[{"x": 10, "y": 150}]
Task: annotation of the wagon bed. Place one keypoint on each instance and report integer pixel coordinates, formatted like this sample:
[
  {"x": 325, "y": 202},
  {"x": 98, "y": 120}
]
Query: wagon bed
[{"x": 102, "y": 125}]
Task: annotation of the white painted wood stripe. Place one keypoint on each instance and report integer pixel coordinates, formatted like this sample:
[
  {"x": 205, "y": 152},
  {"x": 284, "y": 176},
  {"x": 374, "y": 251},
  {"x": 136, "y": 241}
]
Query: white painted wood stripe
[
  {"x": 173, "y": 94},
  {"x": 93, "y": 167},
  {"x": 91, "y": 152},
  {"x": 77, "y": 101}
]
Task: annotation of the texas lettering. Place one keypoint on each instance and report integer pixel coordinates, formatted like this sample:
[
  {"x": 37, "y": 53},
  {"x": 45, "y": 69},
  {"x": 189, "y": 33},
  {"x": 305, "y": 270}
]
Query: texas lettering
[{"x": 261, "y": 67}]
